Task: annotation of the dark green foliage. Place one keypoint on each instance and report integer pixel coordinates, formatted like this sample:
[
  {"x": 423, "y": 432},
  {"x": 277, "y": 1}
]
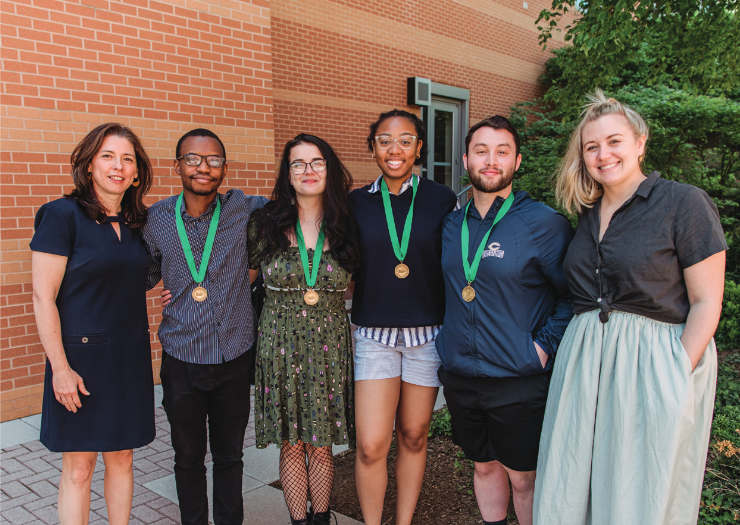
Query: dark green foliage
[
  {"x": 720, "y": 503},
  {"x": 544, "y": 134},
  {"x": 727, "y": 402},
  {"x": 728, "y": 331},
  {"x": 693, "y": 43},
  {"x": 441, "y": 424}
]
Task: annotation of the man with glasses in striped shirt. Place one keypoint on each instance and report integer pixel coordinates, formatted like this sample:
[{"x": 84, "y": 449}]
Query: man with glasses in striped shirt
[{"x": 197, "y": 244}]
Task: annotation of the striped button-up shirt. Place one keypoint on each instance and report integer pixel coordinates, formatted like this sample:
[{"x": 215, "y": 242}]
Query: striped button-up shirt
[
  {"x": 221, "y": 328},
  {"x": 399, "y": 337}
]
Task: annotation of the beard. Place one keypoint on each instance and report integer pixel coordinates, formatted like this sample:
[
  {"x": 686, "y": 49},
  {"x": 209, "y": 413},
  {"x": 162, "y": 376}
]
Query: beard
[{"x": 492, "y": 186}]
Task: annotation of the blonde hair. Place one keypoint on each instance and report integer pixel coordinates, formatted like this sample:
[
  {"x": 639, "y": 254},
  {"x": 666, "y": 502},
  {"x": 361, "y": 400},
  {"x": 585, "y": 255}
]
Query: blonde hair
[{"x": 574, "y": 187}]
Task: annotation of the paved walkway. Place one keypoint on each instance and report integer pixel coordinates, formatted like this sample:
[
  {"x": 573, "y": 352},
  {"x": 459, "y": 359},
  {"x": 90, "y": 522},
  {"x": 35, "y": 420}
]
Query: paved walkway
[{"x": 29, "y": 479}]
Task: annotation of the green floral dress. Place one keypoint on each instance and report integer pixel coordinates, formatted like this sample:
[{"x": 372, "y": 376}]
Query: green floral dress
[{"x": 304, "y": 388}]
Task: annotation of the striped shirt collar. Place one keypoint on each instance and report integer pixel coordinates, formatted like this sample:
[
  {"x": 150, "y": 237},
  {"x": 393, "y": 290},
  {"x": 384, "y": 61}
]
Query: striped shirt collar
[
  {"x": 375, "y": 187},
  {"x": 211, "y": 208}
]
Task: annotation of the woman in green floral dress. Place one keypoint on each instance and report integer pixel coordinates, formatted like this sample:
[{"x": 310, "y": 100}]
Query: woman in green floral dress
[{"x": 304, "y": 392}]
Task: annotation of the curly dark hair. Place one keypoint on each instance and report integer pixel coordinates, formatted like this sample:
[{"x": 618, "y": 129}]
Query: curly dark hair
[
  {"x": 132, "y": 206},
  {"x": 279, "y": 216},
  {"x": 421, "y": 130}
]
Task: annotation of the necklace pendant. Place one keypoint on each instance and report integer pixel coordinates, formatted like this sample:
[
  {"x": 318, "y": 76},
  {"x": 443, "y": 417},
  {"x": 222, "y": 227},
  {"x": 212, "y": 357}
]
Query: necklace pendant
[
  {"x": 311, "y": 297},
  {"x": 468, "y": 293},
  {"x": 402, "y": 271},
  {"x": 200, "y": 294}
]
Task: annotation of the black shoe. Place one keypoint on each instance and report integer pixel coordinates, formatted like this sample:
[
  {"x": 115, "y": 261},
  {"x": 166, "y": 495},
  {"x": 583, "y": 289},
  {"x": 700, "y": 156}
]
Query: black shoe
[
  {"x": 322, "y": 518},
  {"x": 307, "y": 521}
]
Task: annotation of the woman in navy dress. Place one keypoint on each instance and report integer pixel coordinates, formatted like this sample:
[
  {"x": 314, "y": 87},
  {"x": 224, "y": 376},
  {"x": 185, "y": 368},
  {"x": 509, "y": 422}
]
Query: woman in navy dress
[{"x": 89, "y": 275}]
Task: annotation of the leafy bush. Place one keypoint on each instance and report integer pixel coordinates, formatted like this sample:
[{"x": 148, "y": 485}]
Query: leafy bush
[
  {"x": 693, "y": 44},
  {"x": 720, "y": 502},
  {"x": 441, "y": 423},
  {"x": 728, "y": 331}
]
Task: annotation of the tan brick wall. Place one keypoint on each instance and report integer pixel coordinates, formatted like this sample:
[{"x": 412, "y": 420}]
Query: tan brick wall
[
  {"x": 166, "y": 67},
  {"x": 161, "y": 68},
  {"x": 338, "y": 63}
]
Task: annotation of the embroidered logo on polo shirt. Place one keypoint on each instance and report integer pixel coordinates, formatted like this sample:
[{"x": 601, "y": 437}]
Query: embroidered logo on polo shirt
[{"x": 493, "y": 251}]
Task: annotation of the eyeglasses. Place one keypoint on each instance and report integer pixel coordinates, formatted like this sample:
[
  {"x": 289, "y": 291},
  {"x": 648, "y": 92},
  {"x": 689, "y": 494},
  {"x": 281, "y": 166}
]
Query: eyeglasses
[
  {"x": 213, "y": 161},
  {"x": 299, "y": 168},
  {"x": 404, "y": 141}
]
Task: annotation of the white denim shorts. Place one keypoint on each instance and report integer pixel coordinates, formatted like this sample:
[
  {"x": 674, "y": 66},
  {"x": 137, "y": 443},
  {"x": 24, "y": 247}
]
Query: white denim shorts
[{"x": 415, "y": 364}]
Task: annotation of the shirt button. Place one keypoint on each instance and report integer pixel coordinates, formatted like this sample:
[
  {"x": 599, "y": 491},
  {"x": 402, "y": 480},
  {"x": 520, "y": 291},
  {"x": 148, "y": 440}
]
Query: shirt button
[
  {"x": 597, "y": 270},
  {"x": 218, "y": 324},
  {"x": 598, "y": 300},
  {"x": 85, "y": 339}
]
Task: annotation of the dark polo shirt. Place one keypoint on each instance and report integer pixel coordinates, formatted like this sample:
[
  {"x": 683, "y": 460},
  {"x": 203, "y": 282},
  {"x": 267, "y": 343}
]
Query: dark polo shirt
[{"x": 664, "y": 228}]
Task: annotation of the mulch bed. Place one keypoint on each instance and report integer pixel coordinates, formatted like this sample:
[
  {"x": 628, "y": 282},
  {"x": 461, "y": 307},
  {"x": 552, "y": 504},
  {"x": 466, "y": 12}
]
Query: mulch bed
[{"x": 446, "y": 496}]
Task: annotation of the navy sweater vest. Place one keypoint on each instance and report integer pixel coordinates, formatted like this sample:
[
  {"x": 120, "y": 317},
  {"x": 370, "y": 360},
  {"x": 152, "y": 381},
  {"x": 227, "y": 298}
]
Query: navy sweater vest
[{"x": 380, "y": 298}]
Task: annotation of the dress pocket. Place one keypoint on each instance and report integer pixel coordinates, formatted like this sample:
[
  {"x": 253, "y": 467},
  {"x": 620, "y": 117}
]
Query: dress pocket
[
  {"x": 684, "y": 357},
  {"x": 87, "y": 353}
]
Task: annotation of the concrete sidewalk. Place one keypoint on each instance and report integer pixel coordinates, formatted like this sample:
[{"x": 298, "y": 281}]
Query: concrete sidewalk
[{"x": 29, "y": 479}]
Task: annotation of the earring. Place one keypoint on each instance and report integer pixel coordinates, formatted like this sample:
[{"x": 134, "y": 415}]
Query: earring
[
  {"x": 418, "y": 156},
  {"x": 292, "y": 201},
  {"x": 89, "y": 175},
  {"x": 136, "y": 182}
]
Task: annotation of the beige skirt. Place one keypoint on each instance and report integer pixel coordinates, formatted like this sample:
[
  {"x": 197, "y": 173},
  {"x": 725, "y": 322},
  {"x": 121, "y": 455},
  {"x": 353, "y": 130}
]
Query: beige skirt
[{"x": 626, "y": 427}]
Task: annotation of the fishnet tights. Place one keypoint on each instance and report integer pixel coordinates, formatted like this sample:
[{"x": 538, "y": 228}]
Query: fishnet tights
[{"x": 305, "y": 468}]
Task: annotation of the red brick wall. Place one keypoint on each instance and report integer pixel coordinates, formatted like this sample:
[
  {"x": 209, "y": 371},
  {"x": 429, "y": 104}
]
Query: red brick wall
[
  {"x": 161, "y": 68},
  {"x": 338, "y": 63}
]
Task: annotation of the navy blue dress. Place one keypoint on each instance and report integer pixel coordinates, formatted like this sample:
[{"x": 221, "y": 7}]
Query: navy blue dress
[{"x": 105, "y": 332}]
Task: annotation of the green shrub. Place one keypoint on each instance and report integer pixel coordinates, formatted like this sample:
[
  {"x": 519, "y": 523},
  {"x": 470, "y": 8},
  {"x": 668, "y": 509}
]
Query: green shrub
[
  {"x": 441, "y": 423},
  {"x": 720, "y": 502},
  {"x": 728, "y": 386},
  {"x": 728, "y": 331}
]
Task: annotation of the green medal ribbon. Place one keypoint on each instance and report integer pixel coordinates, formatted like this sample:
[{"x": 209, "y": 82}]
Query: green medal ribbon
[
  {"x": 310, "y": 273},
  {"x": 472, "y": 269},
  {"x": 198, "y": 274},
  {"x": 399, "y": 249}
]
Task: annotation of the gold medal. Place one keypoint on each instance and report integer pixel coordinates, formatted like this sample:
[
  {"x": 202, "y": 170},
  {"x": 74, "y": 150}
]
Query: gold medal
[
  {"x": 402, "y": 271},
  {"x": 468, "y": 294},
  {"x": 200, "y": 294},
  {"x": 311, "y": 297}
]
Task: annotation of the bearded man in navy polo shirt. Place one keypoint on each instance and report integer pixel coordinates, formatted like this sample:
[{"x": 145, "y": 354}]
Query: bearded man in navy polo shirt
[{"x": 507, "y": 305}]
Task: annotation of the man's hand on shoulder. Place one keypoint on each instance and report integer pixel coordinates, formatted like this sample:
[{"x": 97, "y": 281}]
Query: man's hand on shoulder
[{"x": 165, "y": 297}]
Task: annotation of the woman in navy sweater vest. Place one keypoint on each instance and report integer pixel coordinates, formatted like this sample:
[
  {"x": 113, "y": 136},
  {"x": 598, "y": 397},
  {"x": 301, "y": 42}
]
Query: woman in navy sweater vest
[{"x": 398, "y": 305}]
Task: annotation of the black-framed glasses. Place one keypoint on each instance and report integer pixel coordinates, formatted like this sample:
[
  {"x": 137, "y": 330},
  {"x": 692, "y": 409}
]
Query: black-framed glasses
[
  {"x": 213, "y": 161},
  {"x": 299, "y": 168},
  {"x": 404, "y": 141}
]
